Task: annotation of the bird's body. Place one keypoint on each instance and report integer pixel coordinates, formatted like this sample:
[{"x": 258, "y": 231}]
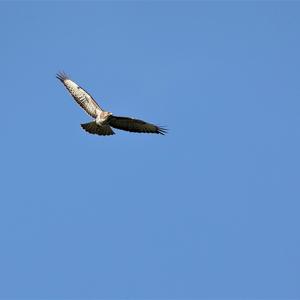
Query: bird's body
[{"x": 104, "y": 120}]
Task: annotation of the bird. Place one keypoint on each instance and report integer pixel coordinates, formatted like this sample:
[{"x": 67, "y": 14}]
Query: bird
[{"x": 104, "y": 120}]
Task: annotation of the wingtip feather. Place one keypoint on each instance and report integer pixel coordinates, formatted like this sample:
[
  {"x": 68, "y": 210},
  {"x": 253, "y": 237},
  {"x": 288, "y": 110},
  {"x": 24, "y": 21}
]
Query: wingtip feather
[
  {"x": 62, "y": 76},
  {"x": 162, "y": 130}
]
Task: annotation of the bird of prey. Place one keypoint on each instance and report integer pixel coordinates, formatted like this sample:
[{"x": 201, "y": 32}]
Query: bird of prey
[{"x": 104, "y": 120}]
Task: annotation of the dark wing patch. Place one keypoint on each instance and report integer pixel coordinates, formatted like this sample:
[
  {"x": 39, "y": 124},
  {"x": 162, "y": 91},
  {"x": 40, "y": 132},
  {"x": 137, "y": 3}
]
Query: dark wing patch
[
  {"x": 135, "y": 125},
  {"x": 93, "y": 128}
]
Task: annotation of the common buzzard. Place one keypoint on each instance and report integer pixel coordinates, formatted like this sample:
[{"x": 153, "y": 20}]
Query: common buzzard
[{"x": 104, "y": 120}]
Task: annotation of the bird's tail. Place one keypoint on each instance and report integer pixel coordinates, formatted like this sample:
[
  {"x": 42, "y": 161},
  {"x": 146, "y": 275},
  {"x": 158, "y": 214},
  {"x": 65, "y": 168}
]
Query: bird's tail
[{"x": 93, "y": 128}]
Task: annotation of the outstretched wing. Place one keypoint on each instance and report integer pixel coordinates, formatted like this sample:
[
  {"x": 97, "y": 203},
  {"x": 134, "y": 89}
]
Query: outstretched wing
[
  {"x": 134, "y": 125},
  {"x": 82, "y": 97},
  {"x": 93, "y": 128}
]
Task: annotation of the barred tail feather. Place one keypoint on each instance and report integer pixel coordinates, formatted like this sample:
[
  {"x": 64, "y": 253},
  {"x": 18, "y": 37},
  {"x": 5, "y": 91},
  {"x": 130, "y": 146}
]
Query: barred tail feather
[{"x": 93, "y": 128}]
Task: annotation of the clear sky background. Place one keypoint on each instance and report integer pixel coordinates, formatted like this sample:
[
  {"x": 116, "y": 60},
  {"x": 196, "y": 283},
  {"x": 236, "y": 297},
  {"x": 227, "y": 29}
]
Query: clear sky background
[{"x": 210, "y": 210}]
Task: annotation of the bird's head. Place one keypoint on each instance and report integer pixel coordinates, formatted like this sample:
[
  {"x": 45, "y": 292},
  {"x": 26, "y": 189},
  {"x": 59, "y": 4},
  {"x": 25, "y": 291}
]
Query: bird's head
[
  {"x": 107, "y": 114},
  {"x": 104, "y": 115}
]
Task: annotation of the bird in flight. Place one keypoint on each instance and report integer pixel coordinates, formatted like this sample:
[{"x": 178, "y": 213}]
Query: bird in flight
[{"x": 104, "y": 120}]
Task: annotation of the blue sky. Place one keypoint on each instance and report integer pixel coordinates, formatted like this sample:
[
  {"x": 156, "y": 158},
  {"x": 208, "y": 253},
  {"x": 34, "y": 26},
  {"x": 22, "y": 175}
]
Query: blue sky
[{"x": 210, "y": 211}]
